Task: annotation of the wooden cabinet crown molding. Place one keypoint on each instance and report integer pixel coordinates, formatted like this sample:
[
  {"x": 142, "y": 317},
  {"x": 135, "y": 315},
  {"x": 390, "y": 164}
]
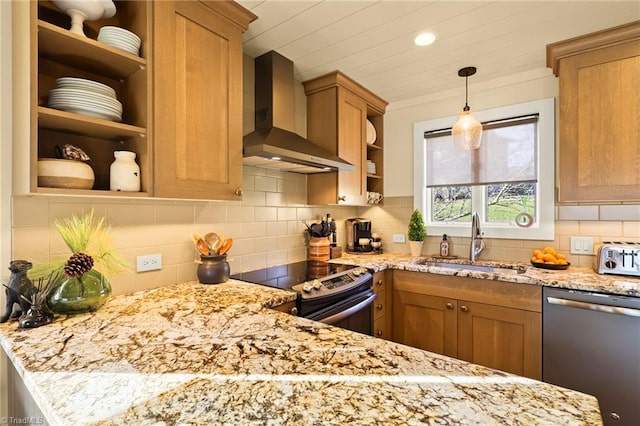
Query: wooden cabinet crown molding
[
  {"x": 597, "y": 40},
  {"x": 231, "y": 11},
  {"x": 375, "y": 103}
]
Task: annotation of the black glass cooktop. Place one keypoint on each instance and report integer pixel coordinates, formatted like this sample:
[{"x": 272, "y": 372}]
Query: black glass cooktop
[{"x": 286, "y": 276}]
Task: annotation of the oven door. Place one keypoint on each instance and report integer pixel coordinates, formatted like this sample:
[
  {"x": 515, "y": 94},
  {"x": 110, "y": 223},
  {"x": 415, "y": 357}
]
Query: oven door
[{"x": 353, "y": 313}]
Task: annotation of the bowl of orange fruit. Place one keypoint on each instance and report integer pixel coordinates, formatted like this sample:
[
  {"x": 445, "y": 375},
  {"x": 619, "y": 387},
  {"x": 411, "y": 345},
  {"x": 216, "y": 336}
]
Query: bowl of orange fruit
[{"x": 549, "y": 258}]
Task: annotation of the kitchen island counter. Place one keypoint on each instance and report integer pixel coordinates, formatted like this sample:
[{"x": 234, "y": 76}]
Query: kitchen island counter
[{"x": 215, "y": 354}]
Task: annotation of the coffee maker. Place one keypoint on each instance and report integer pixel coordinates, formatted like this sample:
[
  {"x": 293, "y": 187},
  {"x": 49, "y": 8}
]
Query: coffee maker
[{"x": 358, "y": 235}]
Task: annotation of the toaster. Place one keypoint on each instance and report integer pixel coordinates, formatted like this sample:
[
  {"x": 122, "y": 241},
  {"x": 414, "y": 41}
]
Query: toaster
[{"x": 621, "y": 258}]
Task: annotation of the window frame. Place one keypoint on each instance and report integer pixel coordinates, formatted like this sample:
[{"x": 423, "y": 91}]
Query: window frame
[{"x": 544, "y": 228}]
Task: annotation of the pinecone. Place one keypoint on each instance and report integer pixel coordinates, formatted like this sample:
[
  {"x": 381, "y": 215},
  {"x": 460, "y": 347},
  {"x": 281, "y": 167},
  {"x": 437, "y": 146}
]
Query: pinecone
[{"x": 77, "y": 265}]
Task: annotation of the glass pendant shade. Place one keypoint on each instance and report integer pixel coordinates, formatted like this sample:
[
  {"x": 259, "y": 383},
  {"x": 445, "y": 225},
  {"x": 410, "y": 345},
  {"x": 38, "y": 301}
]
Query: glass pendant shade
[{"x": 467, "y": 132}]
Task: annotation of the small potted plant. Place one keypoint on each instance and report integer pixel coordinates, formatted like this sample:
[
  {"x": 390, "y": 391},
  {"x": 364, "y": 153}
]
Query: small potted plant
[{"x": 417, "y": 233}]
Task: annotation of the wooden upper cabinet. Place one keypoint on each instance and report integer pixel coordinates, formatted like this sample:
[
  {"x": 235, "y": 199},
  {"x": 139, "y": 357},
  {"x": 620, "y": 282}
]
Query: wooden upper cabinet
[
  {"x": 599, "y": 146},
  {"x": 198, "y": 99},
  {"x": 49, "y": 51},
  {"x": 337, "y": 111}
]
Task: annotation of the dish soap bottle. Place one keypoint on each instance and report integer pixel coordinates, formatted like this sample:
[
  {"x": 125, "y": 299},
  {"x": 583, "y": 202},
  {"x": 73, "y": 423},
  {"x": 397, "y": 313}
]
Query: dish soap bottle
[{"x": 444, "y": 246}]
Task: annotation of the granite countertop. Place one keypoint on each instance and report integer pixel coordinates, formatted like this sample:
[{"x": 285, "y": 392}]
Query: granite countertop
[
  {"x": 215, "y": 354},
  {"x": 576, "y": 278}
]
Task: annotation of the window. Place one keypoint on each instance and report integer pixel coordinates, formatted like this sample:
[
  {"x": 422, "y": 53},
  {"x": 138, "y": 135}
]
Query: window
[{"x": 509, "y": 180}]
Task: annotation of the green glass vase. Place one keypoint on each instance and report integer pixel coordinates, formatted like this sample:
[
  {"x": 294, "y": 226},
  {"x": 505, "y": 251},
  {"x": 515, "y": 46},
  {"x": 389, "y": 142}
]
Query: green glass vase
[{"x": 86, "y": 293}]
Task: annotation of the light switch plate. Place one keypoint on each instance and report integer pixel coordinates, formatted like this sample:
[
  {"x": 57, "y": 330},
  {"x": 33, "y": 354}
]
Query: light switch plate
[
  {"x": 581, "y": 245},
  {"x": 398, "y": 238}
]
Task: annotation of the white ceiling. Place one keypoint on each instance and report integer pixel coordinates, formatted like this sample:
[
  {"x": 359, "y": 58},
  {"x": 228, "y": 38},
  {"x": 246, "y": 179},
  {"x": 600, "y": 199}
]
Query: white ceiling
[{"x": 372, "y": 41}]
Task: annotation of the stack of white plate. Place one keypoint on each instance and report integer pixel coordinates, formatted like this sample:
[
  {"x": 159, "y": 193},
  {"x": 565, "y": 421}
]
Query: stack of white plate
[
  {"x": 120, "y": 39},
  {"x": 85, "y": 97}
]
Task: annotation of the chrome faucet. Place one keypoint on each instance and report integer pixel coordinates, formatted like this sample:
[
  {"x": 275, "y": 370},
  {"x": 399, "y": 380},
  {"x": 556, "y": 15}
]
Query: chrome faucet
[{"x": 477, "y": 243}]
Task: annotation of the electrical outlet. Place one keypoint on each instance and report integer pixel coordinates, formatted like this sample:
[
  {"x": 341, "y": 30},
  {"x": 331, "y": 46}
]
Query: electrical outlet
[
  {"x": 581, "y": 245},
  {"x": 398, "y": 238},
  {"x": 150, "y": 262}
]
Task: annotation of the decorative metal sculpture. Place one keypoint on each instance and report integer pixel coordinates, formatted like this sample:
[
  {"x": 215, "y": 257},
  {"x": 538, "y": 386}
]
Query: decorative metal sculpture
[{"x": 19, "y": 285}]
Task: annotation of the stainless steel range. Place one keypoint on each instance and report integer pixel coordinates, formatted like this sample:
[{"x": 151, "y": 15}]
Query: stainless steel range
[{"x": 334, "y": 294}]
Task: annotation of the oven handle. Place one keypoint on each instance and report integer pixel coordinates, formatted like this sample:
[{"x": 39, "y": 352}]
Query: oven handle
[{"x": 348, "y": 312}]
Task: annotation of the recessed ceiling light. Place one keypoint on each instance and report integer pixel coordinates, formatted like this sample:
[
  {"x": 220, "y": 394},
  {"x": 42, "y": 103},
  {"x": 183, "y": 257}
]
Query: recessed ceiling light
[{"x": 424, "y": 39}]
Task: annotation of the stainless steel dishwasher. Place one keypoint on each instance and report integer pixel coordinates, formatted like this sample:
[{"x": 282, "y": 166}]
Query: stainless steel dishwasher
[{"x": 591, "y": 343}]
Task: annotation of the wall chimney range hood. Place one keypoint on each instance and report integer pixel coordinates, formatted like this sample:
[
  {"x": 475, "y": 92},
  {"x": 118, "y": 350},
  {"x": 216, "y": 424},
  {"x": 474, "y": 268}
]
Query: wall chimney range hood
[{"x": 273, "y": 144}]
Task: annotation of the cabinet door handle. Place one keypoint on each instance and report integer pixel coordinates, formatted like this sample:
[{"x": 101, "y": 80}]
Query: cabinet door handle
[
  {"x": 379, "y": 283},
  {"x": 379, "y": 306},
  {"x": 342, "y": 198},
  {"x": 379, "y": 333},
  {"x": 449, "y": 305},
  {"x": 238, "y": 192},
  {"x": 464, "y": 308}
]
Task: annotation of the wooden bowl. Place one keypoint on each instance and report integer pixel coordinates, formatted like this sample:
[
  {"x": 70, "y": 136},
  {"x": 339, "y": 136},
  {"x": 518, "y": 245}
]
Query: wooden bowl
[{"x": 59, "y": 173}]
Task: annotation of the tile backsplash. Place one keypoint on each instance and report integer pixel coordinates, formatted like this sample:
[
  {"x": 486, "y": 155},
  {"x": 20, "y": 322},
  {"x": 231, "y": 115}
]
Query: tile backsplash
[{"x": 267, "y": 228}]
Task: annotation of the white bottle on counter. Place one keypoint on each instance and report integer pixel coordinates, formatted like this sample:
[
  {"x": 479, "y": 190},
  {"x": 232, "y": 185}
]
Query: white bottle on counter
[{"x": 124, "y": 174}]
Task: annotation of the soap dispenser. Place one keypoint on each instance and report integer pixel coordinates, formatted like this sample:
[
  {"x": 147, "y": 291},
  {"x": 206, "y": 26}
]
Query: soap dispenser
[{"x": 444, "y": 246}]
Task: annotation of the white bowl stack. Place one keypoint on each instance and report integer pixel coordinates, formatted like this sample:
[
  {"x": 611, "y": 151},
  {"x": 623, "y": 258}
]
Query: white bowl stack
[
  {"x": 85, "y": 97},
  {"x": 120, "y": 39}
]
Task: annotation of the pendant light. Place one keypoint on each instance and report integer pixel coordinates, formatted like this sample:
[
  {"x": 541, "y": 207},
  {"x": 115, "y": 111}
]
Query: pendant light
[{"x": 467, "y": 132}]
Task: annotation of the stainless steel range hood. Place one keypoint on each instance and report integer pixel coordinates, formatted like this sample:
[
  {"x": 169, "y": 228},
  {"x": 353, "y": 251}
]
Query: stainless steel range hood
[{"x": 274, "y": 144}]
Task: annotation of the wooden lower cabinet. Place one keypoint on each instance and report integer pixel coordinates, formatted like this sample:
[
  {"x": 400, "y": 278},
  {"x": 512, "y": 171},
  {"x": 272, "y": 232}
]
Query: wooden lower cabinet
[
  {"x": 425, "y": 322},
  {"x": 491, "y": 323},
  {"x": 503, "y": 338},
  {"x": 382, "y": 305}
]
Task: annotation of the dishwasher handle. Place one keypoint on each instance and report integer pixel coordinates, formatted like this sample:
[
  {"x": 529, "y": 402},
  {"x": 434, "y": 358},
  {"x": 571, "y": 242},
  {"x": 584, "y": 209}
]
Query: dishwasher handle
[{"x": 618, "y": 310}]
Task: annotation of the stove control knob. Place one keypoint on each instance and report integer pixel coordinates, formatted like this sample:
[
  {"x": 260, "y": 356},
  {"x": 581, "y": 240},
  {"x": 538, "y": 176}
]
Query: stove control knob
[
  {"x": 307, "y": 288},
  {"x": 317, "y": 284},
  {"x": 359, "y": 271}
]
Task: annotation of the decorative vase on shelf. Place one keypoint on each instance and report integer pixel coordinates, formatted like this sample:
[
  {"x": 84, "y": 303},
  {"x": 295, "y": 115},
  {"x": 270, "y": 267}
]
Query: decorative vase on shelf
[
  {"x": 75, "y": 295},
  {"x": 124, "y": 174},
  {"x": 213, "y": 269}
]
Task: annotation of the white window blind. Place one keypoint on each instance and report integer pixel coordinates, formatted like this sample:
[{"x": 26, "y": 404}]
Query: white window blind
[{"x": 507, "y": 154}]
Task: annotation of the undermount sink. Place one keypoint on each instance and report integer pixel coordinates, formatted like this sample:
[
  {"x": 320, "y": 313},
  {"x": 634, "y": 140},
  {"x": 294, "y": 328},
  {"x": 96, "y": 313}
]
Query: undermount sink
[{"x": 472, "y": 267}]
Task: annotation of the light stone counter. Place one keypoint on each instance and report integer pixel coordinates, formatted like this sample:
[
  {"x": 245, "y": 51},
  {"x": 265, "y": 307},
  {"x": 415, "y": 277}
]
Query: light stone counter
[
  {"x": 573, "y": 278},
  {"x": 210, "y": 355}
]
